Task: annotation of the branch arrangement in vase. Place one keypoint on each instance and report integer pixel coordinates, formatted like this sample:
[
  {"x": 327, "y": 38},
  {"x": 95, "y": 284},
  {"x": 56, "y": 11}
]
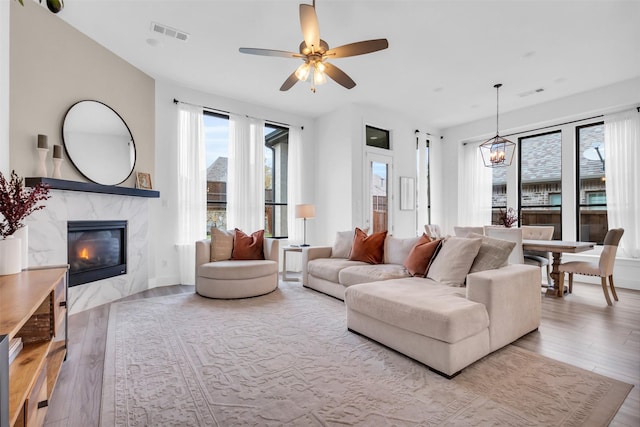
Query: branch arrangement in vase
[
  {"x": 507, "y": 217},
  {"x": 17, "y": 202}
]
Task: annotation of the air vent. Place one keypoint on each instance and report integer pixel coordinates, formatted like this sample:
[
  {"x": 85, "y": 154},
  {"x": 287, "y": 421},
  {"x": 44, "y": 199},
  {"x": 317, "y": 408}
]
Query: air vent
[
  {"x": 530, "y": 92},
  {"x": 169, "y": 32}
]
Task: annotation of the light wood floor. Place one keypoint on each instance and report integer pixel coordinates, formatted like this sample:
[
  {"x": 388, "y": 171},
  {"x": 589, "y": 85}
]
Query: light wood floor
[{"x": 580, "y": 330}]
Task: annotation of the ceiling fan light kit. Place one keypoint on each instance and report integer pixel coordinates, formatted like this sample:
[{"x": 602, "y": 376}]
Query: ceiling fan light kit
[{"x": 315, "y": 52}]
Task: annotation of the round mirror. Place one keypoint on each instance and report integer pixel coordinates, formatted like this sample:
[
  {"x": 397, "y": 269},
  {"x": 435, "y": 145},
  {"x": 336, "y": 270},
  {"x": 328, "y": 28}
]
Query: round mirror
[{"x": 98, "y": 142}]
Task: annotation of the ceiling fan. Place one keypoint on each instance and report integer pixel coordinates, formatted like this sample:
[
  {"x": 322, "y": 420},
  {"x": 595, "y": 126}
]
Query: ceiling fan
[{"x": 315, "y": 52}]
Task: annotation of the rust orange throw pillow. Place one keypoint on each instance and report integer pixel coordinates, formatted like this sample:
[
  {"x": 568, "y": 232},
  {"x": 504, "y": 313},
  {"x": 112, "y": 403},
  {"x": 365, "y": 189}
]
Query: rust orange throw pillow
[
  {"x": 417, "y": 263},
  {"x": 368, "y": 248},
  {"x": 247, "y": 247}
]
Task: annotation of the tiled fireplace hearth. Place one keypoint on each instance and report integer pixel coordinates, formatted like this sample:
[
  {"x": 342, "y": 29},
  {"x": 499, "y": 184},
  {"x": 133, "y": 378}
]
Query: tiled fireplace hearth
[{"x": 48, "y": 241}]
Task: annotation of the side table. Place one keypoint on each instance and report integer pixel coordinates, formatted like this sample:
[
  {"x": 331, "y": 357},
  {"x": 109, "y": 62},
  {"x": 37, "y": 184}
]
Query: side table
[{"x": 284, "y": 262}]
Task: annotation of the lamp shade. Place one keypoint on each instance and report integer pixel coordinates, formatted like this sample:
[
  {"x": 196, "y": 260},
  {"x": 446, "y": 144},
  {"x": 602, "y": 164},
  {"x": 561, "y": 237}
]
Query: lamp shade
[{"x": 305, "y": 211}]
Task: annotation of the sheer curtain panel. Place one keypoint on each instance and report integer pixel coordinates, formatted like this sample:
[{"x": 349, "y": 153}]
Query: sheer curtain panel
[
  {"x": 622, "y": 156},
  {"x": 192, "y": 188},
  {"x": 475, "y": 189},
  {"x": 294, "y": 185},
  {"x": 245, "y": 184}
]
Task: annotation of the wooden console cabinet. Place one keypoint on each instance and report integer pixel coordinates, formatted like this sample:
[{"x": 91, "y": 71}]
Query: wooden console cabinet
[{"x": 33, "y": 306}]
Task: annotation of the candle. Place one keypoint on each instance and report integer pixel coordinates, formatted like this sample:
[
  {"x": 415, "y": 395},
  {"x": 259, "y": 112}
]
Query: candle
[
  {"x": 42, "y": 142},
  {"x": 57, "y": 151}
]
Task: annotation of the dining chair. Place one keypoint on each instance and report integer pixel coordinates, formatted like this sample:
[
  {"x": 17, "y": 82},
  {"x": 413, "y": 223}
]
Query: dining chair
[
  {"x": 512, "y": 235},
  {"x": 460, "y": 231},
  {"x": 433, "y": 231},
  {"x": 539, "y": 258},
  {"x": 603, "y": 268}
]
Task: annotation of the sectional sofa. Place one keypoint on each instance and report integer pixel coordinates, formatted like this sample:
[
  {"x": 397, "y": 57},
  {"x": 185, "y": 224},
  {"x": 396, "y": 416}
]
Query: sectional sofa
[{"x": 443, "y": 326}]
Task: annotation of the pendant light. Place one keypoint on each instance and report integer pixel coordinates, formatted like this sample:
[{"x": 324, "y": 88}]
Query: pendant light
[{"x": 497, "y": 151}]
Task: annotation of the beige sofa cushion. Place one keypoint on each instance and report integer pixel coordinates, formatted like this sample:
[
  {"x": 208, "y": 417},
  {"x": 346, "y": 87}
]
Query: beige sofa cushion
[
  {"x": 221, "y": 244},
  {"x": 342, "y": 245},
  {"x": 396, "y": 249},
  {"x": 344, "y": 241},
  {"x": 493, "y": 253},
  {"x": 452, "y": 264},
  {"x": 371, "y": 273},
  {"x": 237, "y": 269},
  {"x": 420, "y": 306},
  {"x": 329, "y": 268}
]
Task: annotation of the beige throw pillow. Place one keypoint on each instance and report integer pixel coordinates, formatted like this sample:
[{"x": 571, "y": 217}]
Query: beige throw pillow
[
  {"x": 344, "y": 241},
  {"x": 221, "y": 244},
  {"x": 493, "y": 253},
  {"x": 396, "y": 249},
  {"x": 453, "y": 262}
]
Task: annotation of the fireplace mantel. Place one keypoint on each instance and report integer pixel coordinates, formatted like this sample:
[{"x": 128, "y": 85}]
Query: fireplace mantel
[{"x": 89, "y": 187}]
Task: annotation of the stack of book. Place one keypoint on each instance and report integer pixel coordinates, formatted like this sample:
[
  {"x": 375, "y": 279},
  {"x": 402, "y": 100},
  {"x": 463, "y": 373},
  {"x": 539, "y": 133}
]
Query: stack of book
[{"x": 15, "y": 345}]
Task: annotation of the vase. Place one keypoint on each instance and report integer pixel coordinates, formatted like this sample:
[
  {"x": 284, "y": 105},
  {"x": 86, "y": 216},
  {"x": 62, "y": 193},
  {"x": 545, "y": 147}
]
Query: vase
[
  {"x": 10, "y": 256},
  {"x": 23, "y": 234}
]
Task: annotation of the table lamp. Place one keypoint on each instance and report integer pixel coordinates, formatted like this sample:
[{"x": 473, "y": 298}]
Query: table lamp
[{"x": 305, "y": 211}]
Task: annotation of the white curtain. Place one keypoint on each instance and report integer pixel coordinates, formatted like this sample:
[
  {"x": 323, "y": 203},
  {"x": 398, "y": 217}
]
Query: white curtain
[
  {"x": 245, "y": 183},
  {"x": 475, "y": 189},
  {"x": 294, "y": 185},
  {"x": 622, "y": 154},
  {"x": 192, "y": 188}
]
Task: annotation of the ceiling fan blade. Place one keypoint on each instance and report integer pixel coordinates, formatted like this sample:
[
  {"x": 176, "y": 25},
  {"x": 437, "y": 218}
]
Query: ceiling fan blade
[
  {"x": 270, "y": 52},
  {"x": 358, "y": 48},
  {"x": 310, "y": 26},
  {"x": 338, "y": 75},
  {"x": 288, "y": 84}
]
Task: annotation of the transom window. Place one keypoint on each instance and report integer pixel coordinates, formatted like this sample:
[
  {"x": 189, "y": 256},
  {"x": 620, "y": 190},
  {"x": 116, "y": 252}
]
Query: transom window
[{"x": 378, "y": 138}]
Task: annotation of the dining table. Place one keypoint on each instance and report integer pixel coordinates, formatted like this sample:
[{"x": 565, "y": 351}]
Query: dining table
[{"x": 557, "y": 248}]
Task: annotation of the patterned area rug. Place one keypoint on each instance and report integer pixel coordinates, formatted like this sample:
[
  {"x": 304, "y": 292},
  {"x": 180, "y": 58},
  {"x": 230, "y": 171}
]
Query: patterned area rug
[{"x": 287, "y": 359}]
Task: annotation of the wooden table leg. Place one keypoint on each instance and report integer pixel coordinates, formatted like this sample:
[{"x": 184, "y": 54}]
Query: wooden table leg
[{"x": 557, "y": 277}]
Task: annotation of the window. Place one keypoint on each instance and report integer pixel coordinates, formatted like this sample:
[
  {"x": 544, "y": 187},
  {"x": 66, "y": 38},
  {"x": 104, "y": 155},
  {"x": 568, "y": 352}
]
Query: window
[
  {"x": 275, "y": 169},
  {"x": 276, "y": 150},
  {"x": 216, "y": 130},
  {"x": 541, "y": 180},
  {"x": 499, "y": 193},
  {"x": 555, "y": 199},
  {"x": 378, "y": 138},
  {"x": 591, "y": 194},
  {"x": 378, "y": 178}
]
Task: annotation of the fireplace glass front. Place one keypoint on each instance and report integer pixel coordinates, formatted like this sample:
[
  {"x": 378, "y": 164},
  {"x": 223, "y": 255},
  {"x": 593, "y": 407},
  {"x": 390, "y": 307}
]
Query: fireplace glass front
[{"x": 97, "y": 250}]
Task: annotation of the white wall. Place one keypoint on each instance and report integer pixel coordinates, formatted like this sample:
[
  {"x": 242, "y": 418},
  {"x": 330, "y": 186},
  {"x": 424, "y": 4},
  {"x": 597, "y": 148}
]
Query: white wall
[
  {"x": 163, "y": 266},
  {"x": 53, "y": 66},
  {"x": 581, "y": 106},
  {"x": 4, "y": 87},
  {"x": 340, "y": 187}
]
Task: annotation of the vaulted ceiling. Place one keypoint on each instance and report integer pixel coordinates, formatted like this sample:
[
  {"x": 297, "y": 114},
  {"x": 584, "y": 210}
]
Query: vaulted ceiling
[{"x": 442, "y": 62}]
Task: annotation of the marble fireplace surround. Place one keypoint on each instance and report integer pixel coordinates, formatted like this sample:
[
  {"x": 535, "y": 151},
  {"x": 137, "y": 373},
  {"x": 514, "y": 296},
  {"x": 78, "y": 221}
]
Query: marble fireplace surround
[{"x": 48, "y": 241}]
